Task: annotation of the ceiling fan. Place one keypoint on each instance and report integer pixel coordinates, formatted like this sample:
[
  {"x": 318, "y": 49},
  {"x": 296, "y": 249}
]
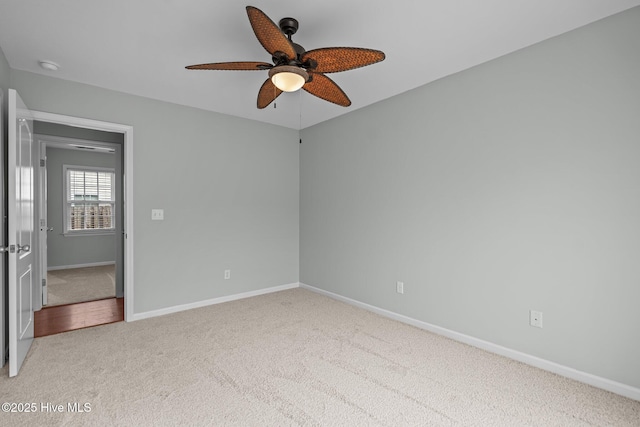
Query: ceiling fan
[{"x": 293, "y": 67}]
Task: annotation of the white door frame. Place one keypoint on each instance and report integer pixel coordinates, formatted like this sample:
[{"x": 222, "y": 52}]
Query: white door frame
[
  {"x": 127, "y": 195},
  {"x": 40, "y": 227}
]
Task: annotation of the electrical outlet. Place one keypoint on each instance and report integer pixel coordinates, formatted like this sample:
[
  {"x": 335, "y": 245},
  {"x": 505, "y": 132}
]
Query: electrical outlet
[
  {"x": 227, "y": 274},
  {"x": 400, "y": 287},
  {"x": 535, "y": 318},
  {"x": 157, "y": 214}
]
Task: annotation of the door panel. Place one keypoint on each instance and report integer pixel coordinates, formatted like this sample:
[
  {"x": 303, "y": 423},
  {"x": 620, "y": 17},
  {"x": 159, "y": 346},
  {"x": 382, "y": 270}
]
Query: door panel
[
  {"x": 20, "y": 204},
  {"x": 26, "y": 303}
]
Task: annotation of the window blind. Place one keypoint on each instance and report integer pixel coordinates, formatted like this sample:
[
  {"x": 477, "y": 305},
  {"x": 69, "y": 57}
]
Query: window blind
[{"x": 90, "y": 200}]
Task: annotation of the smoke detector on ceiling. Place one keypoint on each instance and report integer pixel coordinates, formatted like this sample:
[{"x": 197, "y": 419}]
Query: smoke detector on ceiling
[{"x": 49, "y": 65}]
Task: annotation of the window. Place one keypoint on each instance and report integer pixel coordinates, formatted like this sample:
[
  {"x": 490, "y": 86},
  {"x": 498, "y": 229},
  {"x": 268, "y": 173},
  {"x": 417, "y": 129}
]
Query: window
[{"x": 89, "y": 200}]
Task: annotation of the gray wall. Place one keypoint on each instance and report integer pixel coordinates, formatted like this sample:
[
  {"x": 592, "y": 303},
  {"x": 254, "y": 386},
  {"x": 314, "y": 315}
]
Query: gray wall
[
  {"x": 511, "y": 186},
  {"x": 74, "y": 250},
  {"x": 229, "y": 188},
  {"x": 4, "y": 72}
]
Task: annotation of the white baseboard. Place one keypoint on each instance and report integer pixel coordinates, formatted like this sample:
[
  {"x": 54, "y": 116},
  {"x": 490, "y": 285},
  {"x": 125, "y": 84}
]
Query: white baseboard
[
  {"x": 219, "y": 300},
  {"x": 90, "y": 264},
  {"x": 565, "y": 371}
]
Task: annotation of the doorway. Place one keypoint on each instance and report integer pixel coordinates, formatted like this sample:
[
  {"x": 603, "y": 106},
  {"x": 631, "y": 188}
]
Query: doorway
[
  {"x": 127, "y": 196},
  {"x": 80, "y": 213},
  {"x": 80, "y": 222}
]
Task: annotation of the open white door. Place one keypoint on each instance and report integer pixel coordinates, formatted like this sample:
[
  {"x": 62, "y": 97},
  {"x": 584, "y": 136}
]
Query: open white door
[{"x": 21, "y": 234}]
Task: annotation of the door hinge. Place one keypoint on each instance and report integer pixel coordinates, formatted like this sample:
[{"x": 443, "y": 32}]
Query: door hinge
[
  {"x": 44, "y": 283},
  {"x": 43, "y": 162}
]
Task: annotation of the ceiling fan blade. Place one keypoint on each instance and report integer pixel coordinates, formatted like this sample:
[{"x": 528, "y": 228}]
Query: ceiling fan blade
[
  {"x": 325, "y": 88},
  {"x": 335, "y": 59},
  {"x": 269, "y": 34},
  {"x": 244, "y": 65},
  {"x": 267, "y": 94}
]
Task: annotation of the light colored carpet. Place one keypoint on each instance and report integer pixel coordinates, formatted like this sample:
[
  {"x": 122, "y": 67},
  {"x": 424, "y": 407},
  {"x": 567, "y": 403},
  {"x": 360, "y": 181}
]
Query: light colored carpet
[
  {"x": 81, "y": 284},
  {"x": 292, "y": 358}
]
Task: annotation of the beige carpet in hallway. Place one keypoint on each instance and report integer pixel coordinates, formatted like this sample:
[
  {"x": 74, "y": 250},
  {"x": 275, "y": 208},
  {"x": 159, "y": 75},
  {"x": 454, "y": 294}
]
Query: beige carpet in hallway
[
  {"x": 81, "y": 284},
  {"x": 292, "y": 358}
]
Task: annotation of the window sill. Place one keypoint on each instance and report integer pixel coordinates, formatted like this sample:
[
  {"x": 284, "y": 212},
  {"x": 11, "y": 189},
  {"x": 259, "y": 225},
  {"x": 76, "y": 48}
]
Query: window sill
[{"x": 88, "y": 233}]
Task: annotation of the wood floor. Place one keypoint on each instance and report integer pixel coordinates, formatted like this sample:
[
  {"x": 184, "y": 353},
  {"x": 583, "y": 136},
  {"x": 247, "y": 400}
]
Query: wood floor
[{"x": 69, "y": 317}]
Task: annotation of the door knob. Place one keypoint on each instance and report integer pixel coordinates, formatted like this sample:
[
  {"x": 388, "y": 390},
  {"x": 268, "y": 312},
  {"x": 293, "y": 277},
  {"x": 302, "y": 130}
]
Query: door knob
[
  {"x": 50, "y": 229},
  {"x": 12, "y": 248}
]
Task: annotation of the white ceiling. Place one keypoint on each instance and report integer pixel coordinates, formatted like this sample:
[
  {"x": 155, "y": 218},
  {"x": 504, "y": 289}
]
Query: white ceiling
[{"x": 142, "y": 46}]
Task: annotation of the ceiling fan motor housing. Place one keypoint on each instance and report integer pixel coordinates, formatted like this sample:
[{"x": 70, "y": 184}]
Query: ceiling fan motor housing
[{"x": 289, "y": 26}]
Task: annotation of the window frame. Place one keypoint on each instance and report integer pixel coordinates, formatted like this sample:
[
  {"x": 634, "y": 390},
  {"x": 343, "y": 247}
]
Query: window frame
[{"x": 66, "y": 203}]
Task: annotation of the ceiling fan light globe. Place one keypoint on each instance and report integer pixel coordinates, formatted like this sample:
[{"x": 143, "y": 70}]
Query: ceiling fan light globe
[
  {"x": 288, "y": 78},
  {"x": 288, "y": 82}
]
